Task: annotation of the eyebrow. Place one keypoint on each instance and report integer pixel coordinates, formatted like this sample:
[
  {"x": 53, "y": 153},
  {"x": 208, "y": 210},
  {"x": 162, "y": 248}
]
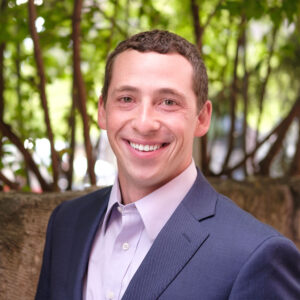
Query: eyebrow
[
  {"x": 125, "y": 88},
  {"x": 169, "y": 91}
]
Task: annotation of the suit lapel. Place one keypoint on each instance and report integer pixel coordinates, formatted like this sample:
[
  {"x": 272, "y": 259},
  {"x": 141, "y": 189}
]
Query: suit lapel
[
  {"x": 85, "y": 230},
  {"x": 177, "y": 242}
]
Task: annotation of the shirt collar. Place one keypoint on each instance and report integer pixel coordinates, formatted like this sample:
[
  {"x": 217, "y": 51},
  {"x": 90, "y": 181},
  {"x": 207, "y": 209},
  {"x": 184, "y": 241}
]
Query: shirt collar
[
  {"x": 157, "y": 207},
  {"x": 114, "y": 201}
]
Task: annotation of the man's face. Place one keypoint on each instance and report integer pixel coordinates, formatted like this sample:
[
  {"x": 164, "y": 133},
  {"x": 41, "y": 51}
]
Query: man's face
[{"x": 151, "y": 118}]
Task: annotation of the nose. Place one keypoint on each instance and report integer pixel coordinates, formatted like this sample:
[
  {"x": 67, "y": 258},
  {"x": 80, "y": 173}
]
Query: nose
[{"x": 146, "y": 119}]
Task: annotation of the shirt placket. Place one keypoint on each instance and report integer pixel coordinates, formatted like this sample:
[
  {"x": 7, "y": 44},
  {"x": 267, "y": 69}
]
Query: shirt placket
[{"x": 123, "y": 251}]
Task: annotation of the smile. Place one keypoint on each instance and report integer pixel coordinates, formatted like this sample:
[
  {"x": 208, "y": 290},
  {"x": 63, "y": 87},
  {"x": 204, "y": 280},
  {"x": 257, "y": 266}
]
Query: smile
[{"x": 146, "y": 148}]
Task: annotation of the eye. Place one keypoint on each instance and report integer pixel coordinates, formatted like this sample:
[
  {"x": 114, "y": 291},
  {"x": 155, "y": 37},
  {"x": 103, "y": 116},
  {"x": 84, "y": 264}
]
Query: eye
[
  {"x": 126, "y": 99},
  {"x": 169, "y": 102}
]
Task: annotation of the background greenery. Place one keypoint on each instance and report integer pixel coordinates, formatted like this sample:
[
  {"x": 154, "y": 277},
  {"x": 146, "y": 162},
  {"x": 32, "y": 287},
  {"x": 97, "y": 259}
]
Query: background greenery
[{"x": 52, "y": 57}]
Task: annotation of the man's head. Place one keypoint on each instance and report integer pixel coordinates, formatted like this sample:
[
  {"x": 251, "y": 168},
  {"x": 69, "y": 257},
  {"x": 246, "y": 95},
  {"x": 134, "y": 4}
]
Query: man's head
[
  {"x": 151, "y": 110},
  {"x": 162, "y": 42}
]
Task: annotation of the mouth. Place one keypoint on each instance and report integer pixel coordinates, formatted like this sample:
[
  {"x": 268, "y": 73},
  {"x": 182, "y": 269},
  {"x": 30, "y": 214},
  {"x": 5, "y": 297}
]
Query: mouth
[{"x": 145, "y": 147}]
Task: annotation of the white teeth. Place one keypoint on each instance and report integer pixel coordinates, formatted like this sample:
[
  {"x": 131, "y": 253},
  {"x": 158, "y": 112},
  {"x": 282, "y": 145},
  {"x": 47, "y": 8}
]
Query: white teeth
[{"x": 145, "y": 148}]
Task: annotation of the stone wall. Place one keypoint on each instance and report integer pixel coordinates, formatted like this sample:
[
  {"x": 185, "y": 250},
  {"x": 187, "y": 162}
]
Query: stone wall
[
  {"x": 23, "y": 222},
  {"x": 24, "y": 217}
]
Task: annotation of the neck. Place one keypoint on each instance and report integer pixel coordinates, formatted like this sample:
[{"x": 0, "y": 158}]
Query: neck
[{"x": 130, "y": 193}]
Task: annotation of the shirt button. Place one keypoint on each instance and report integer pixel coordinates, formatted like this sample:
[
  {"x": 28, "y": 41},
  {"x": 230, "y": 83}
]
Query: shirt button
[
  {"x": 120, "y": 209},
  {"x": 110, "y": 295},
  {"x": 125, "y": 246}
]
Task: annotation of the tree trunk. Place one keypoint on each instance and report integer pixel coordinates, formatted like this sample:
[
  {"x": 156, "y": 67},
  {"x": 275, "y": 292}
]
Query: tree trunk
[
  {"x": 72, "y": 125},
  {"x": 2, "y": 87},
  {"x": 198, "y": 33},
  {"x": 42, "y": 89},
  {"x": 295, "y": 165},
  {"x": 220, "y": 98},
  {"x": 197, "y": 24},
  {"x": 264, "y": 84},
  {"x": 2, "y": 48},
  {"x": 20, "y": 117},
  {"x": 18, "y": 91},
  {"x": 233, "y": 98},
  {"x": 245, "y": 97},
  {"x": 80, "y": 89},
  {"x": 198, "y": 29}
]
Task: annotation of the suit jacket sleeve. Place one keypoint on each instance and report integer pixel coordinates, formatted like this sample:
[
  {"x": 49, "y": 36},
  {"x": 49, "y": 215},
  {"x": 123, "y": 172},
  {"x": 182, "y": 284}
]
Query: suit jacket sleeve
[
  {"x": 271, "y": 272},
  {"x": 43, "y": 289}
]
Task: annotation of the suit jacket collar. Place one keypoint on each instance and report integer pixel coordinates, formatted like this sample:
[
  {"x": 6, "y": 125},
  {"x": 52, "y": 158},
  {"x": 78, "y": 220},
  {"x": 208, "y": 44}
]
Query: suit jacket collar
[
  {"x": 177, "y": 242},
  {"x": 201, "y": 199},
  {"x": 91, "y": 213}
]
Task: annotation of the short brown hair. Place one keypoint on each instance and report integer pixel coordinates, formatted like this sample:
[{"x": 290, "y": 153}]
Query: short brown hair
[{"x": 163, "y": 42}]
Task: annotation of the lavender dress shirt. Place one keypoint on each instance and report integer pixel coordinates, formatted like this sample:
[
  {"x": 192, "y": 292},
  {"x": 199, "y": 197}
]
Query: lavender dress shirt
[{"x": 127, "y": 233}]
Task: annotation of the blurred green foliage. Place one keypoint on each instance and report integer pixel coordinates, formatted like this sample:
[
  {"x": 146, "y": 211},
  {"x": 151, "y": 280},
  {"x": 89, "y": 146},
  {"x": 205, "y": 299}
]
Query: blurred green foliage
[{"x": 104, "y": 23}]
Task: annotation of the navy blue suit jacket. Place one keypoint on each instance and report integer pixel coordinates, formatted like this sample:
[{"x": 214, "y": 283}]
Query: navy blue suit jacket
[{"x": 209, "y": 249}]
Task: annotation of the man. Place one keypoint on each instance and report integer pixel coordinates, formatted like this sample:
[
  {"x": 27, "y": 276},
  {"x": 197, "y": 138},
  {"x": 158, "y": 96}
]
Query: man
[{"x": 161, "y": 231}]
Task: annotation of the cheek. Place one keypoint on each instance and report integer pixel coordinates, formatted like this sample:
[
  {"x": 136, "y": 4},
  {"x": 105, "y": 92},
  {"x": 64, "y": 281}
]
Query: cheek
[
  {"x": 115, "y": 122},
  {"x": 183, "y": 126},
  {"x": 112, "y": 140}
]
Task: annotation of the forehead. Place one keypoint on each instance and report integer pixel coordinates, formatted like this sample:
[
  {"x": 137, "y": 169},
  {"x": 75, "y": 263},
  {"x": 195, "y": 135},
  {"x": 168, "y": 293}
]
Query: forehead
[
  {"x": 141, "y": 66},
  {"x": 135, "y": 55}
]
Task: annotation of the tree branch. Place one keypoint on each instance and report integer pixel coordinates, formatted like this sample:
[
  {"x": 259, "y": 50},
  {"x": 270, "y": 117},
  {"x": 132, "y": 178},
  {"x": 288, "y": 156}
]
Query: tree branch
[
  {"x": 291, "y": 115},
  {"x": 42, "y": 88},
  {"x": 80, "y": 89},
  {"x": 11, "y": 184},
  {"x": 6, "y": 130},
  {"x": 265, "y": 164},
  {"x": 113, "y": 22},
  {"x": 212, "y": 14}
]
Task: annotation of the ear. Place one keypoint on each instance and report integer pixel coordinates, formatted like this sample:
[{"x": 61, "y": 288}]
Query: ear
[
  {"x": 101, "y": 113},
  {"x": 204, "y": 117}
]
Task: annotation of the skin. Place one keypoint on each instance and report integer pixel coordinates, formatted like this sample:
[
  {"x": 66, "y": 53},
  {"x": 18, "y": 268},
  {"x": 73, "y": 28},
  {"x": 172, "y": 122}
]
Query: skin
[{"x": 151, "y": 102}]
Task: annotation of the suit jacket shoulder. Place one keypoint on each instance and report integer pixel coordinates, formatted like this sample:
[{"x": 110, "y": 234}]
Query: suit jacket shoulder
[
  {"x": 70, "y": 234},
  {"x": 212, "y": 249},
  {"x": 88, "y": 201}
]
